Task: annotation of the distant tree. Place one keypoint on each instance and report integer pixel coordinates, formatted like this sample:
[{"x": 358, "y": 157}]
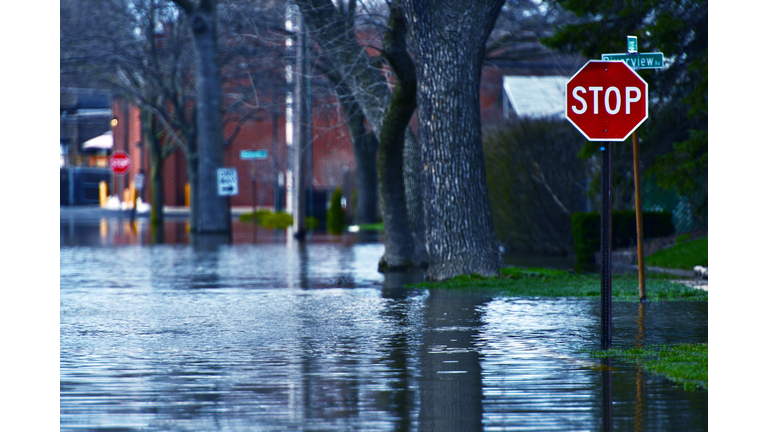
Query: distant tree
[
  {"x": 334, "y": 28},
  {"x": 137, "y": 50},
  {"x": 142, "y": 50},
  {"x": 674, "y": 139},
  {"x": 450, "y": 43}
]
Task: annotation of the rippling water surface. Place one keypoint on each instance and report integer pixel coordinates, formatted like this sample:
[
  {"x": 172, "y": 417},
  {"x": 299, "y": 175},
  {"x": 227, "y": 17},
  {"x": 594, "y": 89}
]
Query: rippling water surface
[{"x": 272, "y": 336}]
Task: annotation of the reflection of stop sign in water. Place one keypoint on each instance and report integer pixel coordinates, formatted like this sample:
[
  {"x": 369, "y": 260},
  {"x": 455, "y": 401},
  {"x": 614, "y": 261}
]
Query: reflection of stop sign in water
[
  {"x": 606, "y": 100},
  {"x": 120, "y": 162}
]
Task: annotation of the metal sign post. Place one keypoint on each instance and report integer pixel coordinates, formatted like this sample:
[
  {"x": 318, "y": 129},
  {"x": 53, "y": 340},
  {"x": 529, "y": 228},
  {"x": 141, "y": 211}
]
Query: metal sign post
[
  {"x": 606, "y": 101},
  {"x": 606, "y": 288},
  {"x": 253, "y": 156}
]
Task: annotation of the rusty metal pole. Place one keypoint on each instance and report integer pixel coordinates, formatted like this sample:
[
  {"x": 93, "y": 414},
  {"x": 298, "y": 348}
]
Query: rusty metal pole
[{"x": 639, "y": 219}]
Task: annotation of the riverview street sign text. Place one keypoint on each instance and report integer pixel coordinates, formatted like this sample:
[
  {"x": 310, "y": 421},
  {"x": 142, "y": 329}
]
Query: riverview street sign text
[
  {"x": 653, "y": 60},
  {"x": 227, "y": 181},
  {"x": 253, "y": 154},
  {"x": 606, "y": 100}
]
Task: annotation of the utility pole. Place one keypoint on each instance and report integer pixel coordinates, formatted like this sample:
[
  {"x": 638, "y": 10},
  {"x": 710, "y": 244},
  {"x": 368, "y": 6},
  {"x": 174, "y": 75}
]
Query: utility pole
[{"x": 300, "y": 131}]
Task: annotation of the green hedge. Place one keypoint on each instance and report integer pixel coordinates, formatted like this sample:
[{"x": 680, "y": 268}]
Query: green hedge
[
  {"x": 586, "y": 230},
  {"x": 267, "y": 219},
  {"x": 335, "y": 214}
]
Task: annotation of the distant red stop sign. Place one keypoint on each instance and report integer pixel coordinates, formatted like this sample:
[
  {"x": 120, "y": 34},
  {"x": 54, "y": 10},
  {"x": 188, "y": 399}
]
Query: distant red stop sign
[
  {"x": 120, "y": 162},
  {"x": 606, "y": 100}
]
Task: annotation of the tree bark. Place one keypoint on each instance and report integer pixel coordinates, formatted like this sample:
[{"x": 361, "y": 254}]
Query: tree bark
[
  {"x": 450, "y": 41},
  {"x": 210, "y": 211},
  {"x": 400, "y": 252},
  {"x": 334, "y": 31},
  {"x": 365, "y": 146},
  {"x": 155, "y": 151}
]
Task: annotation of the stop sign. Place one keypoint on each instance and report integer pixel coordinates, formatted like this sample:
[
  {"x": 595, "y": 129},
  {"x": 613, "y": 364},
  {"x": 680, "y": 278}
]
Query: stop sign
[
  {"x": 120, "y": 162},
  {"x": 606, "y": 100}
]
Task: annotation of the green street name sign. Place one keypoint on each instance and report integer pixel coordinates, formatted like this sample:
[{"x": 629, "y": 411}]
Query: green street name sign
[
  {"x": 638, "y": 61},
  {"x": 253, "y": 154}
]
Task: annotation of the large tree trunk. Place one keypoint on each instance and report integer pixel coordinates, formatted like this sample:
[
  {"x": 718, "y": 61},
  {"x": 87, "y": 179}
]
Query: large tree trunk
[
  {"x": 213, "y": 213},
  {"x": 450, "y": 39},
  {"x": 400, "y": 251},
  {"x": 154, "y": 148},
  {"x": 334, "y": 31}
]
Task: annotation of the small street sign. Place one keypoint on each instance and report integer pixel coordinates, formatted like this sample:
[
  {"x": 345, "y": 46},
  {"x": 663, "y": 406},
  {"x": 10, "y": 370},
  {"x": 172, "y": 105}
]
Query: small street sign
[
  {"x": 120, "y": 162},
  {"x": 631, "y": 44},
  {"x": 654, "y": 60},
  {"x": 606, "y": 100},
  {"x": 138, "y": 181},
  {"x": 253, "y": 154},
  {"x": 227, "y": 181}
]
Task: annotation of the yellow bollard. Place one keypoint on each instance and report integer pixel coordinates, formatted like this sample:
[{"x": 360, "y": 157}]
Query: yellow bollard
[
  {"x": 103, "y": 193},
  {"x": 128, "y": 194}
]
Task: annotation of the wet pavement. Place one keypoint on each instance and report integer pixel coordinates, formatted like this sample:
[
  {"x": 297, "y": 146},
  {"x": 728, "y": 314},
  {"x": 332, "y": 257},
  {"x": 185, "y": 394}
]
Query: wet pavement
[{"x": 266, "y": 334}]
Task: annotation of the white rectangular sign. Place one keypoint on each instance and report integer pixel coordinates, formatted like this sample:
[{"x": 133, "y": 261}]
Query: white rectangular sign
[{"x": 227, "y": 181}]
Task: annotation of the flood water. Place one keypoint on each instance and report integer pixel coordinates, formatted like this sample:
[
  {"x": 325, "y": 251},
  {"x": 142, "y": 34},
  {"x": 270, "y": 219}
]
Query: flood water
[{"x": 265, "y": 334}]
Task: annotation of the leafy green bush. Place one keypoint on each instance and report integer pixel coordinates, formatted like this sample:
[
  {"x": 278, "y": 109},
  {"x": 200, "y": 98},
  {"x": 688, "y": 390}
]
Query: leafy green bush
[
  {"x": 267, "y": 219},
  {"x": 586, "y": 230},
  {"x": 535, "y": 182},
  {"x": 335, "y": 215},
  {"x": 279, "y": 220}
]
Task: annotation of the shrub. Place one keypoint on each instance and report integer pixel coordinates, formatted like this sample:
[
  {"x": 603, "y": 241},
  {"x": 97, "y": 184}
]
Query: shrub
[
  {"x": 279, "y": 220},
  {"x": 586, "y": 230},
  {"x": 260, "y": 216},
  {"x": 535, "y": 182},
  {"x": 335, "y": 215}
]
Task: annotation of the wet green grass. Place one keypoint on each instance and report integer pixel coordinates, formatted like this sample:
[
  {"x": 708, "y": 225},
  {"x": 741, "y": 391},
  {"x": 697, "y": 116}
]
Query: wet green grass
[
  {"x": 372, "y": 227},
  {"x": 540, "y": 282},
  {"x": 685, "y": 364},
  {"x": 685, "y": 255}
]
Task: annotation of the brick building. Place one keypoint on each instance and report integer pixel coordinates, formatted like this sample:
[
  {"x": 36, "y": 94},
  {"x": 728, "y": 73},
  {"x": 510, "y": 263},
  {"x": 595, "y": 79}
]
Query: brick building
[
  {"x": 262, "y": 182},
  {"x": 332, "y": 155}
]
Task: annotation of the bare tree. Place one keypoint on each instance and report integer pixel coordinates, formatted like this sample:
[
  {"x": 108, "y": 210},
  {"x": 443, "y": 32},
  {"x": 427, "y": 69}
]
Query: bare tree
[
  {"x": 137, "y": 50},
  {"x": 334, "y": 29}
]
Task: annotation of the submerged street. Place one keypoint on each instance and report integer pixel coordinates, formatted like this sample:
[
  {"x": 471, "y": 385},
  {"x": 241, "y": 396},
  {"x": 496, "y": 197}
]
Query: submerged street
[{"x": 265, "y": 334}]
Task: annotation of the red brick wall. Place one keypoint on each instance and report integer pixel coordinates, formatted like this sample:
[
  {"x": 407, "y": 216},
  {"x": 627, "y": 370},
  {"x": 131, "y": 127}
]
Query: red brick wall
[{"x": 262, "y": 132}]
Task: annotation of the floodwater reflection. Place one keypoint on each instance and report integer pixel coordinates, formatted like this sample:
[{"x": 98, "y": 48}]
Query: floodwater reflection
[{"x": 280, "y": 335}]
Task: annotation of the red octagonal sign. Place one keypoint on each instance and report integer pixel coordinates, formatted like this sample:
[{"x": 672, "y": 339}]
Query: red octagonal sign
[
  {"x": 606, "y": 100},
  {"x": 120, "y": 162}
]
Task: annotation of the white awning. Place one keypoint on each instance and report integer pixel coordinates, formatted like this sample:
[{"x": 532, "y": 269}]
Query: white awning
[
  {"x": 103, "y": 142},
  {"x": 536, "y": 96}
]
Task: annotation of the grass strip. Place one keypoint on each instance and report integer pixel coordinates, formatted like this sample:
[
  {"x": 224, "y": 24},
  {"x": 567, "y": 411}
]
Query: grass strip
[
  {"x": 685, "y": 255},
  {"x": 540, "y": 282},
  {"x": 684, "y": 364},
  {"x": 372, "y": 227}
]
